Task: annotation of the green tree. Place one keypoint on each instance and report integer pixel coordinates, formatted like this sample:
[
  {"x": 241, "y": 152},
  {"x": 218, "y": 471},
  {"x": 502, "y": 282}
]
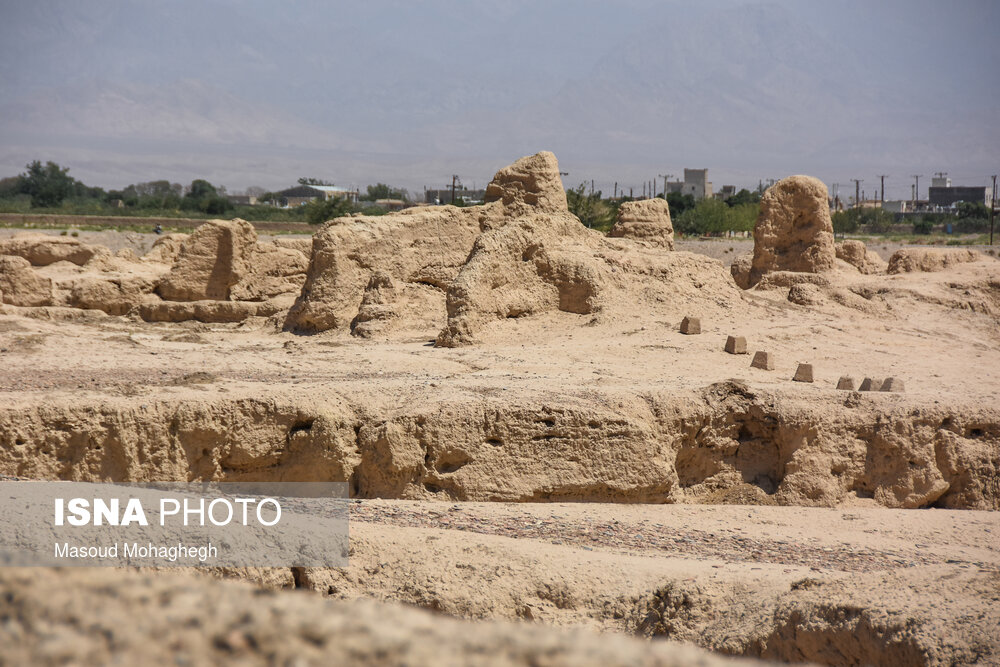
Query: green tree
[
  {"x": 156, "y": 195},
  {"x": 593, "y": 211},
  {"x": 312, "y": 181},
  {"x": 205, "y": 197},
  {"x": 845, "y": 222},
  {"x": 48, "y": 184},
  {"x": 711, "y": 216},
  {"x": 875, "y": 220},
  {"x": 318, "y": 210},
  {"x": 744, "y": 196},
  {"x": 679, "y": 203},
  {"x": 972, "y": 209},
  {"x": 383, "y": 191},
  {"x": 10, "y": 187}
]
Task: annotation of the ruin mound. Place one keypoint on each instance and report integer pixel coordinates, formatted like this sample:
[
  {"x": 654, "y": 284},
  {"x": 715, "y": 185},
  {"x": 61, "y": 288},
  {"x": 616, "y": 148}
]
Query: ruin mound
[
  {"x": 43, "y": 249},
  {"x": 116, "y": 295},
  {"x": 856, "y": 254},
  {"x": 793, "y": 230},
  {"x": 909, "y": 260},
  {"x": 20, "y": 285},
  {"x": 647, "y": 220},
  {"x": 548, "y": 263},
  {"x": 418, "y": 247},
  {"x": 532, "y": 181},
  {"x": 210, "y": 262},
  {"x": 166, "y": 249},
  {"x": 274, "y": 270}
]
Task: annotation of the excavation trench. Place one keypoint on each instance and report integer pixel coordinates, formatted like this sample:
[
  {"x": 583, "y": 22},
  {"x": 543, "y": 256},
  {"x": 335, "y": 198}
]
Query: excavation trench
[{"x": 724, "y": 444}]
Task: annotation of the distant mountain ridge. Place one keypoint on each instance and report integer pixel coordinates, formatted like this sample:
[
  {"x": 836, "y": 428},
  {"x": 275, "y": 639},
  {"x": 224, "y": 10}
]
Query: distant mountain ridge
[{"x": 754, "y": 89}]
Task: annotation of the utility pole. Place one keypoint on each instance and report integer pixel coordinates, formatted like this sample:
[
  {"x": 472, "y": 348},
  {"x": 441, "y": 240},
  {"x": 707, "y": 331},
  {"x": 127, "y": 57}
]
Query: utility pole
[
  {"x": 454, "y": 180},
  {"x": 993, "y": 207},
  {"x": 836, "y": 197},
  {"x": 665, "y": 177},
  {"x": 857, "y": 191},
  {"x": 916, "y": 190},
  {"x": 616, "y": 190},
  {"x": 882, "y": 196}
]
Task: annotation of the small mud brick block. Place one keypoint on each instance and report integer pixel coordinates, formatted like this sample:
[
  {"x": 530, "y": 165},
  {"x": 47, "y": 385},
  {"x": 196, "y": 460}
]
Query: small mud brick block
[
  {"x": 846, "y": 383},
  {"x": 736, "y": 345},
  {"x": 763, "y": 360},
  {"x": 804, "y": 373},
  {"x": 870, "y": 384},
  {"x": 892, "y": 384},
  {"x": 690, "y": 325}
]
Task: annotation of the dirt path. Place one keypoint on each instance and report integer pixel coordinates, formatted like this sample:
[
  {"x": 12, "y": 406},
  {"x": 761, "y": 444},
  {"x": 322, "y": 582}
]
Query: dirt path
[{"x": 866, "y": 539}]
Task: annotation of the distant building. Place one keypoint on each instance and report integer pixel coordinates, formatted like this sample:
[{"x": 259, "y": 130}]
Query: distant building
[
  {"x": 695, "y": 183},
  {"x": 725, "y": 192},
  {"x": 897, "y": 206},
  {"x": 303, "y": 194},
  {"x": 444, "y": 196},
  {"x": 242, "y": 200},
  {"x": 907, "y": 206},
  {"x": 949, "y": 196}
]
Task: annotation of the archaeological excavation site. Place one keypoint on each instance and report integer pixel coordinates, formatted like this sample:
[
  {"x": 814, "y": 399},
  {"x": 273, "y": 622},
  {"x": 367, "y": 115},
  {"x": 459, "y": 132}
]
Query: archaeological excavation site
[{"x": 562, "y": 447}]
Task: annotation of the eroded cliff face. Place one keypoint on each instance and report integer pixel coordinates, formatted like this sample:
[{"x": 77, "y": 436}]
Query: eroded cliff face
[{"x": 651, "y": 448}]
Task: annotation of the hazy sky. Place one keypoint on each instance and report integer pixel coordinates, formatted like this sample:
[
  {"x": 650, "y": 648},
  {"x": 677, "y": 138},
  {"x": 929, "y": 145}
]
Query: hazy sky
[{"x": 261, "y": 93}]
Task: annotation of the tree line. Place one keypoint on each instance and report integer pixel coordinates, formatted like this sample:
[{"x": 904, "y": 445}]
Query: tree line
[
  {"x": 706, "y": 216},
  {"x": 48, "y": 187}
]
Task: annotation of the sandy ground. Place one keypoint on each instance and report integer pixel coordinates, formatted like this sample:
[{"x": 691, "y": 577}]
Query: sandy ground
[
  {"x": 723, "y": 249},
  {"x": 534, "y": 355},
  {"x": 116, "y": 240},
  {"x": 727, "y": 249},
  {"x": 853, "y": 584}
]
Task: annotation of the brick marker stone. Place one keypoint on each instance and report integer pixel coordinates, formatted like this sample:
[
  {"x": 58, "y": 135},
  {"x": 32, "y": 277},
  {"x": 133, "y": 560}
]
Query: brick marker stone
[
  {"x": 691, "y": 325},
  {"x": 870, "y": 384},
  {"x": 846, "y": 382},
  {"x": 804, "y": 373},
  {"x": 762, "y": 360},
  {"x": 736, "y": 345},
  {"x": 892, "y": 384}
]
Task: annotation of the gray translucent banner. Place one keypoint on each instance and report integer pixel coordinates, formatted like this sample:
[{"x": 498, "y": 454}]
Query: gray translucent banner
[{"x": 164, "y": 524}]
